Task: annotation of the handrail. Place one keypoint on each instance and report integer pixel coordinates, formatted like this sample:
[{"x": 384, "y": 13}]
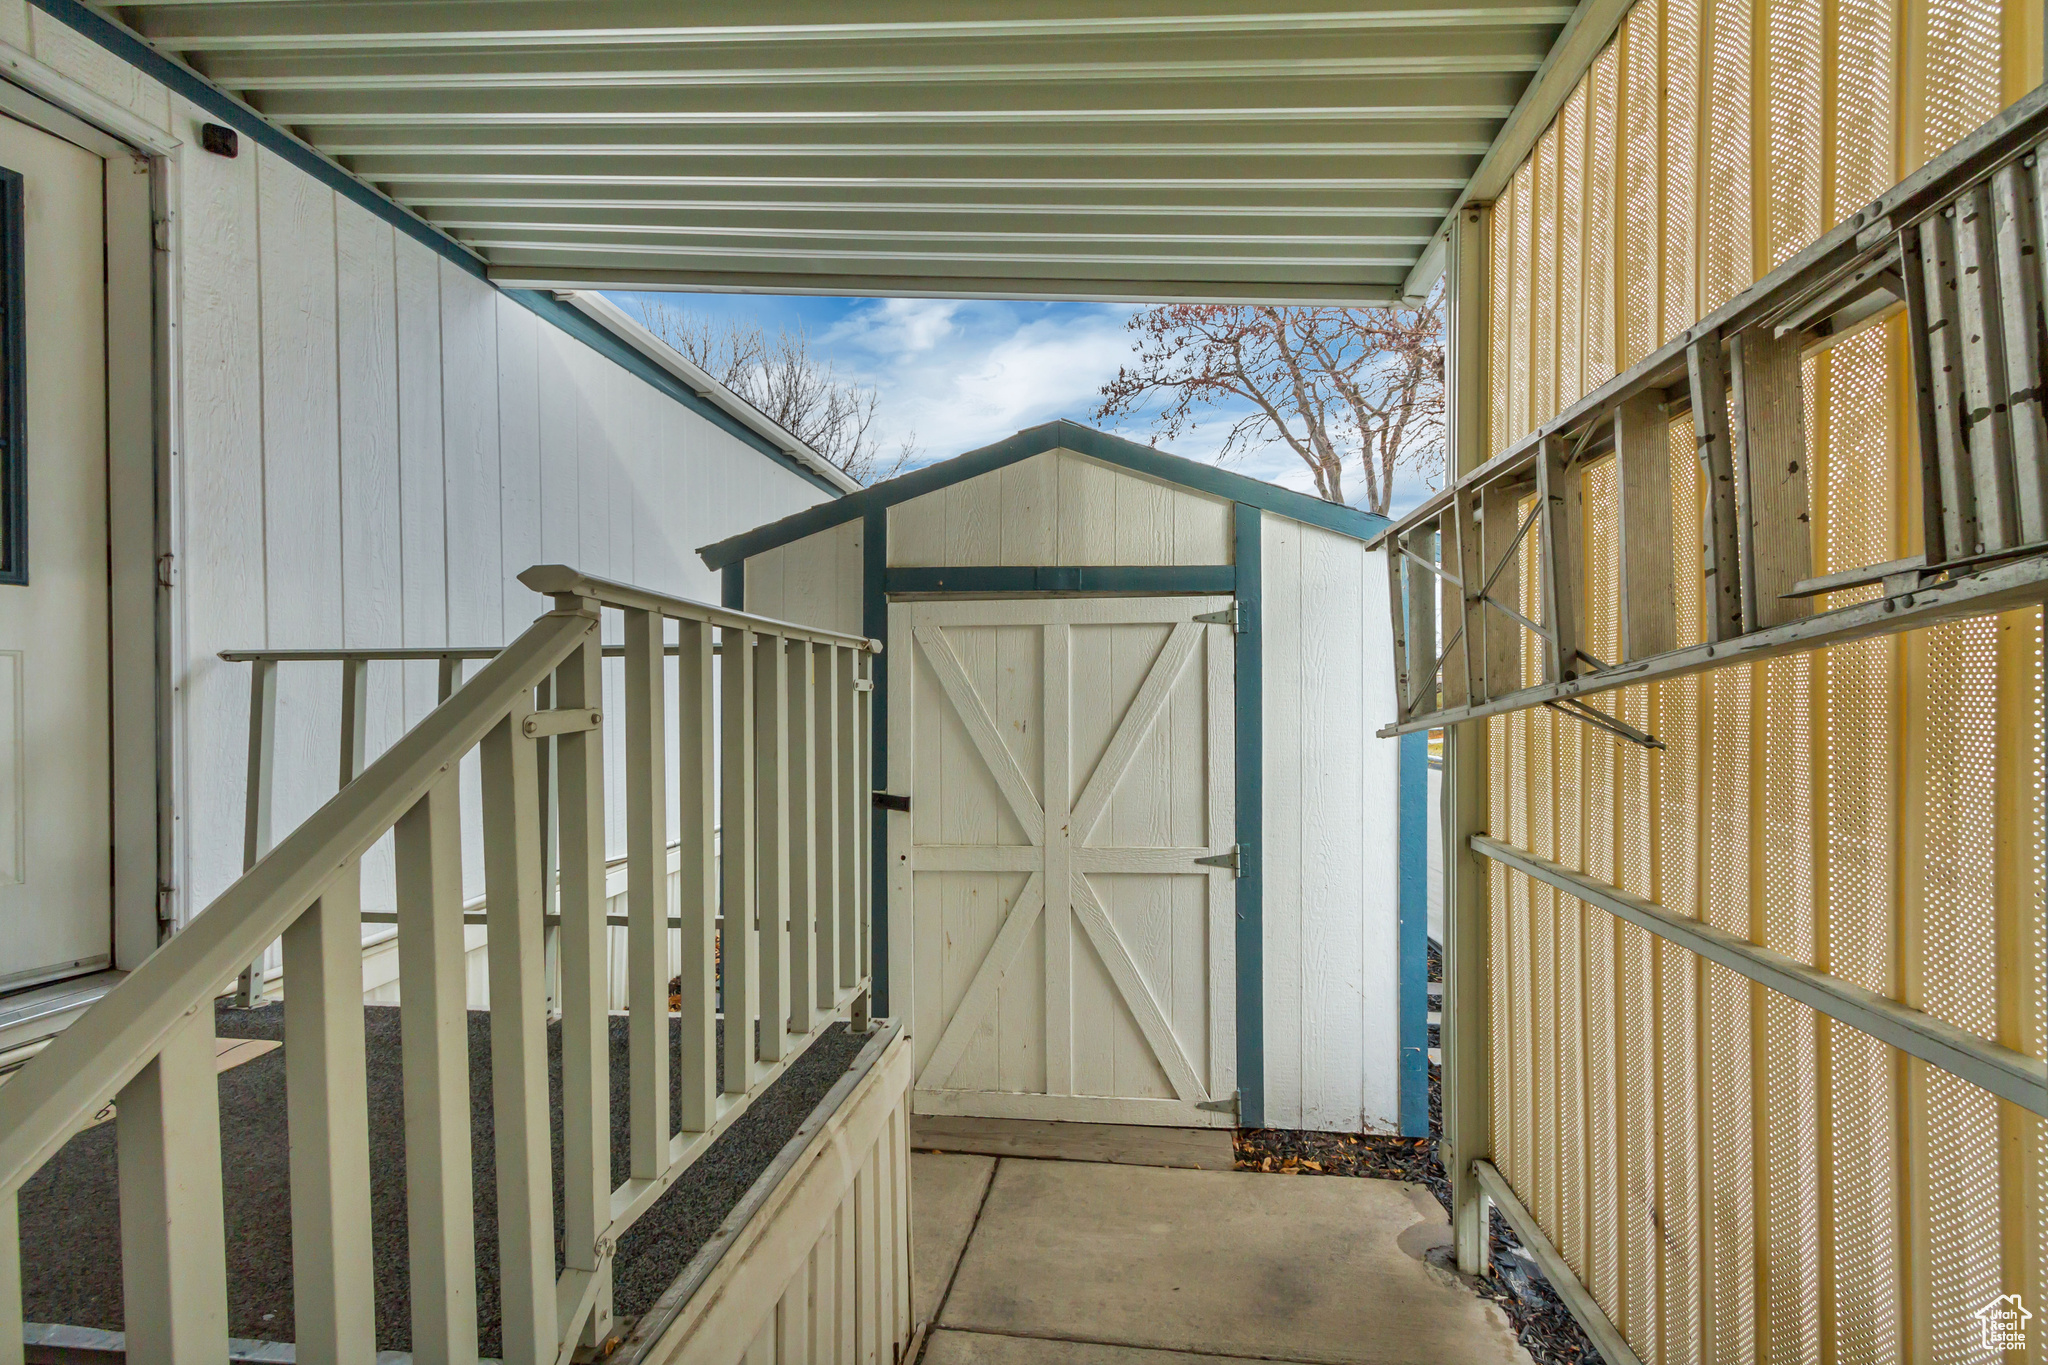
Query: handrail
[
  {"x": 774, "y": 951},
  {"x": 63, "y": 1086},
  {"x": 559, "y": 580},
  {"x": 425, "y": 654}
]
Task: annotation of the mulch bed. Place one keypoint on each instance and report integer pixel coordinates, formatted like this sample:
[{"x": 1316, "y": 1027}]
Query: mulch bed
[{"x": 1547, "y": 1329}]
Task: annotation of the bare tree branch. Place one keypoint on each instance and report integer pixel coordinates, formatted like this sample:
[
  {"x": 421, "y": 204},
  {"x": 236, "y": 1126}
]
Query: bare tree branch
[
  {"x": 1337, "y": 386},
  {"x": 786, "y": 382}
]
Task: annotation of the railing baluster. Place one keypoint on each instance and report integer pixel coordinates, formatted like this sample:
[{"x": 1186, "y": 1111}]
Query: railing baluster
[
  {"x": 519, "y": 1041},
  {"x": 737, "y": 984},
  {"x": 825, "y": 781},
  {"x": 803, "y": 836},
  {"x": 864, "y": 814},
  {"x": 586, "y": 1038},
  {"x": 256, "y": 797},
  {"x": 433, "y": 1021},
  {"x": 647, "y": 893},
  {"x": 853, "y": 778},
  {"x": 355, "y": 717},
  {"x": 544, "y": 783},
  {"x": 698, "y": 901},
  {"x": 771, "y": 838},
  {"x": 174, "y": 1282},
  {"x": 327, "y": 1112}
]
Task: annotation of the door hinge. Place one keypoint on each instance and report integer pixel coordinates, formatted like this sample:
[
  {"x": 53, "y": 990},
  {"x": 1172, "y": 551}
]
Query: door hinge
[
  {"x": 1228, "y": 860},
  {"x": 1226, "y": 617},
  {"x": 167, "y": 571},
  {"x": 1226, "y": 1106},
  {"x": 890, "y": 801}
]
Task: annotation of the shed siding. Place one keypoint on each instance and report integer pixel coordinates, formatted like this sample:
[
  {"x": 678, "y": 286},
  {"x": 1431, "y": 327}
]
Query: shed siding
[
  {"x": 371, "y": 444},
  {"x": 1331, "y": 837},
  {"x": 1059, "y": 508},
  {"x": 816, "y": 580},
  {"x": 1331, "y": 843}
]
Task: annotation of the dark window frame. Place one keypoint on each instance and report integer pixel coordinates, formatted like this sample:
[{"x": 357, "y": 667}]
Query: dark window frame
[{"x": 13, "y": 384}]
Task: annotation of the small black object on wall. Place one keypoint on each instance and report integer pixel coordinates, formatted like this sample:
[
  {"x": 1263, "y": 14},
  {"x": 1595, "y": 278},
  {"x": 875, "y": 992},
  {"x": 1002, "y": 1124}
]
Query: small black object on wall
[{"x": 219, "y": 139}]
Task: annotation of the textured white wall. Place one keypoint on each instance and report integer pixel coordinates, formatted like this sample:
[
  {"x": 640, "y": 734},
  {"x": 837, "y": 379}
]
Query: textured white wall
[{"x": 371, "y": 445}]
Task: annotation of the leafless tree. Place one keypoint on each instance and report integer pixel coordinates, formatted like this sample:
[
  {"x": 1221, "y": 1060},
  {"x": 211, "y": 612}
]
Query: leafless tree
[
  {"x": 780, "y": 376},
  {"x": 1338, "y": 386}
]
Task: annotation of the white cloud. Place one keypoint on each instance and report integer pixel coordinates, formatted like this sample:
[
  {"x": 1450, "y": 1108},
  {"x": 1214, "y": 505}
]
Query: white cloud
[{"x": 961, "y": 374}]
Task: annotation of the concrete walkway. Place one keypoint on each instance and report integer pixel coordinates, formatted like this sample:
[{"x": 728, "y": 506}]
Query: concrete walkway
[{"x": 1026, "y": 1262}]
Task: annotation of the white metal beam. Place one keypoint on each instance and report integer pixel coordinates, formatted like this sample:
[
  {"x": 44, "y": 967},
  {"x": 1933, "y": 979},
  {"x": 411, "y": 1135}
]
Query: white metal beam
[
  {"x": 317, "y": 27},
  {"x": 1107, "y": 290}
]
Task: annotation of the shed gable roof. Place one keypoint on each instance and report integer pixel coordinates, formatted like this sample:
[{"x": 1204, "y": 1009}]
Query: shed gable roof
[{"x": 1059, "y": 435}]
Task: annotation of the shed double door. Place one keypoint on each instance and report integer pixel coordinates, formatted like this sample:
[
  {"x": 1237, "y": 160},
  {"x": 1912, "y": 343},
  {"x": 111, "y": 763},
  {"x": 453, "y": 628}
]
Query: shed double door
[{"x": 1069, "y": 762}]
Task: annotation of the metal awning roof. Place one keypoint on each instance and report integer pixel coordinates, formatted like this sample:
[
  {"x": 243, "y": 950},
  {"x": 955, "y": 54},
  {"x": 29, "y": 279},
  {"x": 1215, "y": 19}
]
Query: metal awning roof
[{"x": 1152, "y": 149}]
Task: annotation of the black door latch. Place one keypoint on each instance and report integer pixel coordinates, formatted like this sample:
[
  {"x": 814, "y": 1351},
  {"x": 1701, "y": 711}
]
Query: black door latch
[{"x": 891, "y": 801}]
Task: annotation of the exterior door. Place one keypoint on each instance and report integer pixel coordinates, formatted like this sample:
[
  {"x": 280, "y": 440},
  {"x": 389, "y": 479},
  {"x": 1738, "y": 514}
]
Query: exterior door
[
  {"x": 1069, "y": 761},
  {"x": 56, "y": 808}
]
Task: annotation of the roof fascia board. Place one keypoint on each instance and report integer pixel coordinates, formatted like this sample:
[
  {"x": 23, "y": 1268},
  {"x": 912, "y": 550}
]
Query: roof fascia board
[
  {"x": 1066, "y": 290},
  {"x": 703, "y": 385},
  {"x": 1579, "y": 42},
  {"x": 127, "y": 46},
  {"x": 1060, "y": 435}
]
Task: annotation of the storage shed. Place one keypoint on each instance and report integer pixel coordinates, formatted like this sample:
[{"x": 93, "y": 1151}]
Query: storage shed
[{"x": 1141, "y": 854}]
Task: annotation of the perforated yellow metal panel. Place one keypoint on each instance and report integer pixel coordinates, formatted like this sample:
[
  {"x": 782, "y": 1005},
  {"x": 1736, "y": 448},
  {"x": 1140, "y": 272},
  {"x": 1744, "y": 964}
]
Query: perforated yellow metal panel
[{"x": 1734, "y": 1177}]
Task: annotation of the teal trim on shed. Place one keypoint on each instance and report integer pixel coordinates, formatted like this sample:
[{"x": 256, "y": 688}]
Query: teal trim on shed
[
  {"x": 1249, "y": 550},
  {"x": 1060, "y": 435},
  {"x": 1150, "y": 580},
  {"x": 1413, "y": 934},
  {"x": 874, "y": 623}
]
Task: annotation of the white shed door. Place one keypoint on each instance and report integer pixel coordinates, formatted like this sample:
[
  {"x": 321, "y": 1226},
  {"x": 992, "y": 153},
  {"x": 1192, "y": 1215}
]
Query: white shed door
[
  {"x": 1069, "y": 762},
  {"x": 56, "y": 816}
]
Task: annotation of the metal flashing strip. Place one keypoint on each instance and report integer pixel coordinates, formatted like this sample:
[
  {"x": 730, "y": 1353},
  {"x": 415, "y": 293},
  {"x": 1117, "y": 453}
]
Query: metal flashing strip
[
  {"x": 2005, "y": 1073},
  {"x": 1148, "y": 580},
  {"x": 1059, "y": 435},
  {"x": 1413, "y": 936},
  {"x": 189, "y": 85},
  {"x": 874, "y": 618},
  {"x": 1584, "y": 1308},
  {"x": 1249, "y": 550}
]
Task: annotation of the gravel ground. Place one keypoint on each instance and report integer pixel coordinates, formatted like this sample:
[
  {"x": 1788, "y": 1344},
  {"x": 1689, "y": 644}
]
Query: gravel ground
[{"x": 1547, "y": 1330}]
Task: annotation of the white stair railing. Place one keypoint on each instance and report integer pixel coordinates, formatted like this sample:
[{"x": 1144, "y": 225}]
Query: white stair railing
[{"x": 789, "y": 769}]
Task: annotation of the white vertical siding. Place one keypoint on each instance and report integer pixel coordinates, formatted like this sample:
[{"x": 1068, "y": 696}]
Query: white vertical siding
[
  {"x": 1059, "y": 508},
  {"x": 1331, "y": 838},
  {"x": 816, "y": 580},
  {"x": 374, "y": 443}
]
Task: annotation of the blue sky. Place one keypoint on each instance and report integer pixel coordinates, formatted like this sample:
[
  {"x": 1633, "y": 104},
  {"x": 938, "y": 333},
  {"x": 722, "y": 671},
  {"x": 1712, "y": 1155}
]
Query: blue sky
[{"x": 960, "y": 373}]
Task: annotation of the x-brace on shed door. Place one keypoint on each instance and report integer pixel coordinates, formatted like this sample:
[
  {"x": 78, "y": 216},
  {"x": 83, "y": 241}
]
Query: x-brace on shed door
[{"x": 1067, "y": 874}]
